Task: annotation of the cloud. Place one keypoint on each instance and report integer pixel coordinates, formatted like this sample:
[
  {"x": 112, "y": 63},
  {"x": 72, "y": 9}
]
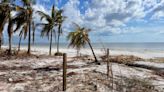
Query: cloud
[
  {"x": 156, "y": 10},
  {"x": 73, "y": 14},
  {"x": 109, "y": 17},
  {"x": 114, "y": 16}
]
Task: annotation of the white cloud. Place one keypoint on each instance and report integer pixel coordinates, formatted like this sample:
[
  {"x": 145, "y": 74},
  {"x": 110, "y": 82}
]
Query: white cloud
[
  {"x": 158, "y": 15},
  {"x": 112, "y": 14},
  {"x": 72, "y": 13},
  {"x": 157, "y": 9},
  {"x": 109, "y": 16}
]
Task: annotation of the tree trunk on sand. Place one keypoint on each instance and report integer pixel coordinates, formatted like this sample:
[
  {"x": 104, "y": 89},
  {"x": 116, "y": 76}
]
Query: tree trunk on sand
[
  {"x": 58, "y": 42},
  {"x": 10, "y": 29},
  {"x": 0, "y": 41},
  {"x": 19, "y": 43},
  {"x": 50, "y": 43},
  {"x": 9, "y": 45},
  {"x": 29, "y": 39},
  {"x": 96, "y": 61},
  {"x": 78, "y": 51}
]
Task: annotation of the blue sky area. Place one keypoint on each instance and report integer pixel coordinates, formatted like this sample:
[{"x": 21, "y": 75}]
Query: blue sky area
[{"x": 110, "y": 20}]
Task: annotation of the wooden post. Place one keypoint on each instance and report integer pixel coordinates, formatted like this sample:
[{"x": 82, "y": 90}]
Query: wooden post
[
  {"x": 107, "y": 58},
  {"x": 109, "y": 69},
  {"x": 64, "y": 71}
]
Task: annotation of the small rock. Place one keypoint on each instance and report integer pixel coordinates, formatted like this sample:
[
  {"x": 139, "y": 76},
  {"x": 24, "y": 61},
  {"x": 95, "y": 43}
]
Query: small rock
[{"x": 10, "y": 80}]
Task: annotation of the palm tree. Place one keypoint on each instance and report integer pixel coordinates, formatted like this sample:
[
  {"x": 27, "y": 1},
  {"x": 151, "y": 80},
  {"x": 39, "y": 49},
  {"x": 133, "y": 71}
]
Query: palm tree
[
  {"x": 59, "y": 20},
  {"x": 79, "y": 38},
  {"x": 75, "y": 42},
  {"x": 48, "y": 28},
  {"x": 4, "y": 15},
  {"x": 24, "y": 20},
  {"x": 3, "y": 19},
  {"x": 6, "y": 7},
  {"x": 29, "y": 13}
]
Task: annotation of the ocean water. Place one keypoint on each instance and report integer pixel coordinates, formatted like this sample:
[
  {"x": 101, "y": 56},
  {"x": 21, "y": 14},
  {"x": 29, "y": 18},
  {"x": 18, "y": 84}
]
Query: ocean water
[{"x": 113, "y": 46}]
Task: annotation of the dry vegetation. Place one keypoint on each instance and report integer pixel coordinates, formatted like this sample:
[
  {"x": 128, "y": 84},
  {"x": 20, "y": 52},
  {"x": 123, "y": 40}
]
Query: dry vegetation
[
  {"x": 157, "y": 59},
  {"x": 19, "y": 74},
  {"x": 90, "y": 81},
  {"x": 123, "y": 59}
]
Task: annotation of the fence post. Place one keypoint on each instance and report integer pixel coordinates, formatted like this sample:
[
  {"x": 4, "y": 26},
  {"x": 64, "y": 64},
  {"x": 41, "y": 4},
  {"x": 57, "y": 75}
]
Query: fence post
[
  {"x": 64, "y": 71},
  {"x": 107, "y": 58}
]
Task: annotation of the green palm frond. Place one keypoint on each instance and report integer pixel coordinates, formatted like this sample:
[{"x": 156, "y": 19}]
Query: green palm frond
[
  {"x": 45, "y": 30},
  {"x": 78, "y": 38},
  {"x": 19, "y": 20},
  {"x": 44, "y": 15},
  {"x": 53, "y": 12}
]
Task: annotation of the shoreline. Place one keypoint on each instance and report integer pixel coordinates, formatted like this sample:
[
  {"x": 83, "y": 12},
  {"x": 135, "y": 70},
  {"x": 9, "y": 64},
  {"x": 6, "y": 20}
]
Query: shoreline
[{"x": 145, "y": 54}]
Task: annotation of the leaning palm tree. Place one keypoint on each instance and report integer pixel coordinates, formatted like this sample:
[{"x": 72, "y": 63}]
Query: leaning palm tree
[
  {"x": 59, "y": 20},
  {"x": 75, "y": 42},
  {"x": 48, "y": 28},
  {"x": 79, "y": 38}
]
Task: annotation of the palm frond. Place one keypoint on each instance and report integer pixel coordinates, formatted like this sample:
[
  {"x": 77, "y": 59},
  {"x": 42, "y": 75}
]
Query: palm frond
[
  {"x": 44, "y": 15},
  {"x": 78, "y": 38},
  {"x": 25, "y": 28},
  {"x": 53, "y": 12}
]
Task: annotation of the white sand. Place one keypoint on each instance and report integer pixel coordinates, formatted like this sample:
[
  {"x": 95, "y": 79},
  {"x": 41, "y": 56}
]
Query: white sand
[{"x": 118, "y": 69}]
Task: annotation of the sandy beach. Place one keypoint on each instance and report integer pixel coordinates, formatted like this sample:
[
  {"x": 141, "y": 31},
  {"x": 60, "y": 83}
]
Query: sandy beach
[
  {"x": 43, "y": 73},
  {"x": 81, "y": 46}
]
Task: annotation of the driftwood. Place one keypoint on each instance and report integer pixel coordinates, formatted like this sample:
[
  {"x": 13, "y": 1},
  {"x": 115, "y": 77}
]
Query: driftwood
[
  {"x": 47, "y": 69},
  {"x": 145, "y": 66}
]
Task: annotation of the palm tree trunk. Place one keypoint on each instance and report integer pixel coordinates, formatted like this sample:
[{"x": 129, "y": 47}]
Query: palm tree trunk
[
  {"x": 29, "y": 39},
  {"x": 58, "y": 43},
  {"x": 78, "y": 52},
  {"x": 50, "y": 43},
  {"x": 19, "y": 43},
  {"x": 0, "y": 41},
  {"x": 10, "y": 34},
  {"x": 10, "y": 45},
  {"x": 97, "y": 62}
]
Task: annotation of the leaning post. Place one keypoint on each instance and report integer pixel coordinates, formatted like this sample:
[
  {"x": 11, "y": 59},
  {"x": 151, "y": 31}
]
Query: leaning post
[{"x": 64, "y": 71}]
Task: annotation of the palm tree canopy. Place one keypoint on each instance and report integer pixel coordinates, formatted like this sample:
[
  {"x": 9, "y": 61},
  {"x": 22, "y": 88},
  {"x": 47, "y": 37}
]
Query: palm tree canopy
[
  {"x": 79, "y": 37},
  {"x": 6, "y": 7},
  {"x": 22, "y": 18},
  {"x": 28, "y": 2},
  {"x": 47, "y": 27},
  {"x": 60, "y": 19}
]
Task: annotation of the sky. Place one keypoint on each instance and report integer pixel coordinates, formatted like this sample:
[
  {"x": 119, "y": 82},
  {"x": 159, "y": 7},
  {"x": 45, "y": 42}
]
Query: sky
[{"x": 109, "y": 20}]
